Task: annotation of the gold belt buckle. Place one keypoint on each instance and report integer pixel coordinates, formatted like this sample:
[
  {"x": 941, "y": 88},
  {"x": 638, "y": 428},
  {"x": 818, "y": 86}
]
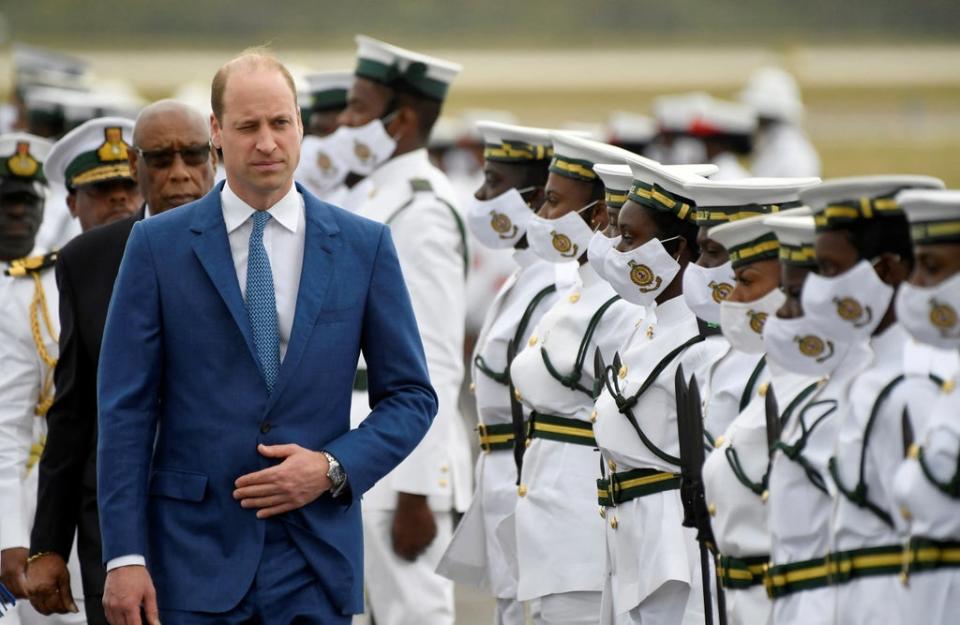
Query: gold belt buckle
[
  {"x": 768, "y": 580},
  {"x": 484, "y": 438}
]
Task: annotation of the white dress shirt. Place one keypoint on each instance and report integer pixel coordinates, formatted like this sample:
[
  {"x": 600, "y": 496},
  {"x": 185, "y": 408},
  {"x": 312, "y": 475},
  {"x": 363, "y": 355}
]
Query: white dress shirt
[{"x": 283, "y": 238}]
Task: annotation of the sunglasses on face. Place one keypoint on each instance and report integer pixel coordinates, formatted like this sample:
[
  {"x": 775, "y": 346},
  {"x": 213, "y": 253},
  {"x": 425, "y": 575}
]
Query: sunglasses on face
[{"x": 193, "y": 156}]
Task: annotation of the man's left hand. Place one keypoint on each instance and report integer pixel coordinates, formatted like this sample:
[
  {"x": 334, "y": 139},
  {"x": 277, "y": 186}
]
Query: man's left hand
[{"x": 298, "y": 480}]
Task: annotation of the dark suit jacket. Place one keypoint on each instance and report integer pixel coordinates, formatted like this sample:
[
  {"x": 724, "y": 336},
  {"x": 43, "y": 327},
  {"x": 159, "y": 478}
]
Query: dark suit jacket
[
  {"x": 67, "y": 499},
  {"x": 183, "y": 403}
]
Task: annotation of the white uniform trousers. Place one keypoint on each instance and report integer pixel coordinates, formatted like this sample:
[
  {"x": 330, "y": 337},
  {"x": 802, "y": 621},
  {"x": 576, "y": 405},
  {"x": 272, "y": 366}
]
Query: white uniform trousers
[
  {"x": 509, "y": 612},
  {"x": 401, "y": 592}
]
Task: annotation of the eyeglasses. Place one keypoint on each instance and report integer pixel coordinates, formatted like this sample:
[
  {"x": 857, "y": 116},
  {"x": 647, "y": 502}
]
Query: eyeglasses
[{"x": 192, "y": 156}]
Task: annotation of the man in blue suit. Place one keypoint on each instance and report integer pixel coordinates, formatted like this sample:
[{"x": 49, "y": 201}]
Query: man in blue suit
[{"x": 228, "y": 474}]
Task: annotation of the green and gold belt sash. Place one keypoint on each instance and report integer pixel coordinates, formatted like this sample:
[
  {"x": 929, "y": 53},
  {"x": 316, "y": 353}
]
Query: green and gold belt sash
[
  {"x": 626, "y": 485},
  {"x": 495, "y": 437},
  {"x": 740, "y": 573},
  {"x": 561, "y": 429},
  {"x": 835, "y": 568}
]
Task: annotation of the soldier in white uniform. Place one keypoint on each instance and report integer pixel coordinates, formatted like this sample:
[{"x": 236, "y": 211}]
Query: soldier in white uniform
[
  {"x": 652, "y": 572},
  {"x": 515, "y": 172},
  {"x": 726, "y": 130},
  {"x": 29, "y": 328},
  {"x": 781, "y": 148},
  {"x": 735, "y": 475},
  {"x": 323, "y": 166},
  {"x": 407, "y": 516},
  {"x": 741, "y": 373},
  {"x": 927, "y": 484},
  {"x": 558, "y": 537},
  {"x": 864, "y": 252}
]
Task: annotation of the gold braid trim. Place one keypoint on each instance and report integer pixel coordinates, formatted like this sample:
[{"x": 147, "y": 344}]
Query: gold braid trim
[{"x": 39, "y": 307}]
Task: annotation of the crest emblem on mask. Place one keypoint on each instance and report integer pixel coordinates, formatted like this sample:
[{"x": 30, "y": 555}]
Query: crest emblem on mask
[
  {"x": 721, "y": 290},
  {"x": 814, "y": 347},
  {"x": 324, "y": 162},
  {"x": 114, "y": 148},
  {"x": 643, "y": 277},
  {"x": 362, "y": 150},
  {"x": 757, "y": 319},
  {"x": 850, "y": 310},
  {"x": 564, "y": 245},
  {"x": 502, "y": 225},
  {"x": 22, "y": 162},
  {"x": 943, "y": 316}
]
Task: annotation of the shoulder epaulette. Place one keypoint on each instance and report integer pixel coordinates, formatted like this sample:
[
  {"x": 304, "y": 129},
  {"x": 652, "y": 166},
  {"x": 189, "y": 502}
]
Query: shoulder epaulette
[
  {"x": 420, "y": 184},
  {"x": 31, "y": 264}
]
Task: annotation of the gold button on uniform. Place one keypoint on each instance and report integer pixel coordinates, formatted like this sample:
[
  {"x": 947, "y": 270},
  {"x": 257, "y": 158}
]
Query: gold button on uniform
[
  {"x": 762, "y": 391},
  {"x": 612, "y": 465},
  {"x": 718, "y": 443},
  {"x": 614, "y": 523},
  {"x": 603, "y": 513},
  {"x": 623, "y": 372},
  {"x": 528, "y": 442},
  {"x": 443, "y": 483},
  {"x": 532, "y": 341},
  {"x": 649, "y": 332},
  {"x": 913, "y": 452},
  {"x": 905, "y": 513},
  {"x": 593, "y": 417},
  {"x": 712, "y": 509},
  {"x": 574, "y": 298},
  {"x": 517, "y": 395},
  {"x": 444, "y": 468},
  {"x": 949, "y": 386},
  {"x": 765, "y": 496},
  {"x": 473, "y": 387},
  {"x": 522, "y": 490}
]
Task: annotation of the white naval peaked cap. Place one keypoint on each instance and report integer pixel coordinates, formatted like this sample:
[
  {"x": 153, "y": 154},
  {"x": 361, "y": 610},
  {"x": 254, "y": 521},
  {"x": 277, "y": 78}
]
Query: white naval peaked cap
[
  {"x": 715, "y": 116},
  {"x": 773, "y": 93},
  {"x": 746, "y": 191},
  {"x": 398, "y": 67},
  {"x": 661, "y": 187},
  {"x": 327, "y": 90},
  {"x": 934, "y": 215},
  {"x": 508, "y": 143},
  {"x": 95, "y": 151},
  {"x": 856, "y": 187},
  {"x": 746, "y": 240},
  {"x": 626, "y": 127},
  {"x": 676, "y": 113},
  {"x": 796, "y": 231},
  {"x": 22, "y": 156},
  {"x": 615, "y": 177},
  {"x": 574, "y": 156},
  {"x": 34, "y": 66}
]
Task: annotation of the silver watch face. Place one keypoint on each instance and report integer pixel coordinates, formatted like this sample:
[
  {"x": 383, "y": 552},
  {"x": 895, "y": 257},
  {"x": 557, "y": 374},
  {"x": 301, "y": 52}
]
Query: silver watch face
[{"x": 335, "y": 472}]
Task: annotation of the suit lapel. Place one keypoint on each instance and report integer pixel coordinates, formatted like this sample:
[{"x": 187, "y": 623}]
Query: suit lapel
[
  {"x": 320, "y": 243},
  {"x": 213, "y": 250}
]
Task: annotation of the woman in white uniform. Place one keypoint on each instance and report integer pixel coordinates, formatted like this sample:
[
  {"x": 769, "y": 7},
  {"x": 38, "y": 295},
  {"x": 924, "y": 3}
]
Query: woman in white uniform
[
  {"x": 927, "y": 484},
  {"x": 735, "y": 475},
  {"x": 652, "y": 570},
  {"x": 558, "y": 535}
]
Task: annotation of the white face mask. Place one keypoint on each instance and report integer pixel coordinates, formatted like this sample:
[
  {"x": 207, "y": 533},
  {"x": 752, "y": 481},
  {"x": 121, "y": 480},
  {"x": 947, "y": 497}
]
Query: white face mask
[
  {"x": 848, "y": 307},
  {"x": 500, "y": 222},
  {"x": 705, "y": 287},
  {"x": 600, "y": 246},
  {"x": 797, "y": 345},
  {"x": 930, "y": 314},
  {"x": 370, "y": 146},
  {"x": 641, "y": 274},
  {"x": 560, "y": 240},
  {"x": 322, "y": 164},
  {"x": 742, "y": 322}
]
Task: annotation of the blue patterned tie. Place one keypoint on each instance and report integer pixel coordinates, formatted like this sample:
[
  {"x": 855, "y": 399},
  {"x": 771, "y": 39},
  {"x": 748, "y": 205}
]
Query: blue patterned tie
[{"x": 262, "y": 303}]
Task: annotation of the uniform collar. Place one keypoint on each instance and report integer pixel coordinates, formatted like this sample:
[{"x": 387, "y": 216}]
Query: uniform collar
[
  {"x": 236, "y": 211},
  {"x": 888, "y": 345},
  {"x": 673, "y": 312},
  {"x": 588, "y": 277},
  {"x": 524, "y": 257},
  {"x": 399, "y": 166}
]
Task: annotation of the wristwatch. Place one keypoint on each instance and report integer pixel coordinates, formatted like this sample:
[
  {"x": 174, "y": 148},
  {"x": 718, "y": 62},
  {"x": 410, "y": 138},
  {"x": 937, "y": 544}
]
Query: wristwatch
[{"x": 336, "y": 474}]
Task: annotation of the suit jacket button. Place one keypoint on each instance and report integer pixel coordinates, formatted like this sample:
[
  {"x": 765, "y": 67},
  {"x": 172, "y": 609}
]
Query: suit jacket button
[{"x": 264, "y": 427}]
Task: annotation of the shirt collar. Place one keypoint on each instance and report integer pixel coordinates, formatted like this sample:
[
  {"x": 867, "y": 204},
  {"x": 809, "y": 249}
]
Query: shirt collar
[{"x": 236, "y": 211}]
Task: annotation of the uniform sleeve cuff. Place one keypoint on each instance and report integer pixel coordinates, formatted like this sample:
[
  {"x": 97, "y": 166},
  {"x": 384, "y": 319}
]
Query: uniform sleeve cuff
[{"x": 130, "y": 560}]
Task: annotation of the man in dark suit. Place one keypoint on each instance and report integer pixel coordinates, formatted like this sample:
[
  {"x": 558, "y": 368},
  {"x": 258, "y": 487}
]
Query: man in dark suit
[
  {"x": 228, "y": 475},
  {"x": 173, "y": 164}
]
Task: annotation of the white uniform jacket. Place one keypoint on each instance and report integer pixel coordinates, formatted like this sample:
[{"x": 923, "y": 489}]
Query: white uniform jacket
[
  {"x": 735, "y": 484},
  {"x": 646, "y": 543},
  {"x": 729, "y": 385},
  {"x": 415, "y": 199},
  {"x": 784, "y": 151},
  {"x": 559, "y": 535}
]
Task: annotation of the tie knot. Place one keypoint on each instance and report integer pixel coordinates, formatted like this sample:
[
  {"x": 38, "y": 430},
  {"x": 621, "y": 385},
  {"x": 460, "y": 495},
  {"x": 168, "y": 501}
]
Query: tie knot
[{"x": 260, "y": 219}]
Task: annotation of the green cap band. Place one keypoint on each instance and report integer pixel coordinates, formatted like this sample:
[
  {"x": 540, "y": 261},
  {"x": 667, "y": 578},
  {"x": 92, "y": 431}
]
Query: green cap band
[
  {"x": 798, "y": 255},
  {"x": 844, "y": 213},
  {"x": 933, "y": 232},
  {"x": 413, "y": 77},
  {"x": 614, "y": 198},
  {"x": 573, "y": 168},
  {"x": 328, "y": 100},
  {"x": 516, "y": 152},
  {"x": 656, "y": 197},
  {"x": 761, "y": 248}
]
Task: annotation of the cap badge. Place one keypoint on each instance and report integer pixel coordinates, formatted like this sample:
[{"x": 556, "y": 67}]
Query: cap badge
[
  {"x": 721, "y": 290},
  {"x": 502, "y": 225},
  {"x": 22, "y": 162},
  {"x": 643, "y": 277},
  {"x": 564, "y": 245},
  {"x": 114, "y": 148}
]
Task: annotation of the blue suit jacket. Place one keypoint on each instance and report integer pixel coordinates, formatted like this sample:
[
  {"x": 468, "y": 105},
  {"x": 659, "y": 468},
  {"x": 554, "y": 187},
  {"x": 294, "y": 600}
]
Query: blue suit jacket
[{"x": 183, "y": 403}]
